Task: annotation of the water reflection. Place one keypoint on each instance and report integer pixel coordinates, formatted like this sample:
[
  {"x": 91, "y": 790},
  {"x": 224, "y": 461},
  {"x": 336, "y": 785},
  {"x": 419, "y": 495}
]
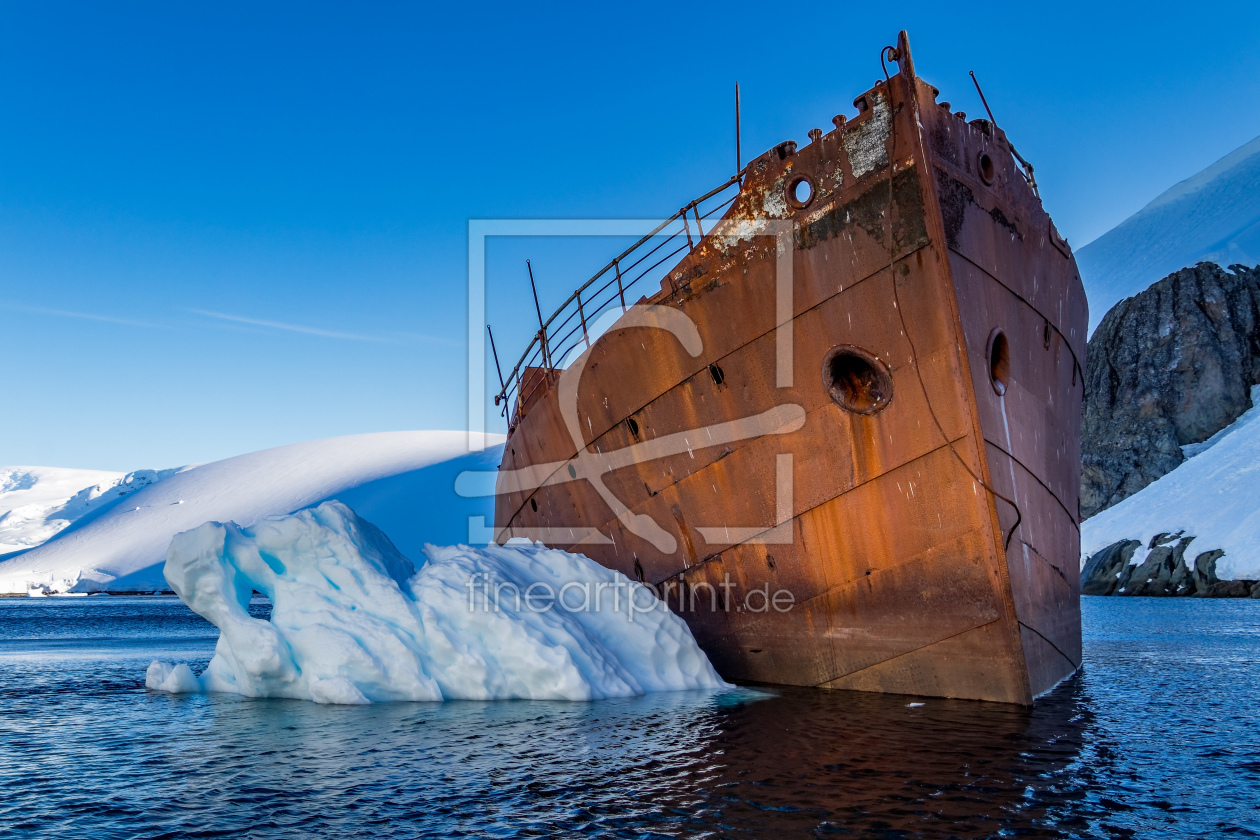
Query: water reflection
[{"x": 87, "y": 752}]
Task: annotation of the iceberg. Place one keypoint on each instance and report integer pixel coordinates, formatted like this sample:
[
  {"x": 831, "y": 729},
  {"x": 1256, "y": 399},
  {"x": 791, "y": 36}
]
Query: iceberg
[{"x": 354, "y": 622}]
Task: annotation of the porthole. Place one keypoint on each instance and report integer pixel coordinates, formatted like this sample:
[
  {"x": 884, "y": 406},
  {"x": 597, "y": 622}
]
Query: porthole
[
  {"x": 719, "y": 376},
  {"x": 572, "y": 472},
  {"x": 533, "y": 504},
  {"x": 800, "y": 192},
  {"x": 985, "y": 164},
  {"x": 857, "y": 380},
  {"x": 633, "y": 426},
  {"x": 999, "y": 361}
]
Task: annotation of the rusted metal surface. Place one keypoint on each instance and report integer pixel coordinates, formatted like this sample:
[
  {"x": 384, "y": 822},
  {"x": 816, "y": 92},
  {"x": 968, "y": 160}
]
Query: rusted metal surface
[{"x": 927, "y": 531}]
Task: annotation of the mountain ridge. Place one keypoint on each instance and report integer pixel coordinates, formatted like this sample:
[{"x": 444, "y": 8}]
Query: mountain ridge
[{"x": 1212, "y": 216}]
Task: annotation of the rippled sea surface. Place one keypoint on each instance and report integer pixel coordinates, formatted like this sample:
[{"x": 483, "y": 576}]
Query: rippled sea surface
[{"x": 1158, "y": 736}]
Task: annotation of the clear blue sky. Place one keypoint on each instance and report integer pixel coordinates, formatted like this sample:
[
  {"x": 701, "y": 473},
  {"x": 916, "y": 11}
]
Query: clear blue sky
[{"x": 227, "y": 227}]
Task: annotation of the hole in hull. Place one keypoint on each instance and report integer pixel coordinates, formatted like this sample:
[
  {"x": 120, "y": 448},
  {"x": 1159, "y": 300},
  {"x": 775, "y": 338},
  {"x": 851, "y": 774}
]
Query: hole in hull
[
  {"x": 857, "y": 380},
  {"x": 986, "y": 168},
  {"x": 999, "y": 361},
  {"x": 800, "y": 192}
]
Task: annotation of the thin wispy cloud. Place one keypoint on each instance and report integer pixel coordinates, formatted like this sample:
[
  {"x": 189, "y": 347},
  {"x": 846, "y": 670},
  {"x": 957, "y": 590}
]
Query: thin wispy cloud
[
  {"x": 406, "y": 337},
  {"x": 280, "y": 325},
  {"x": 87, "y": 316}
]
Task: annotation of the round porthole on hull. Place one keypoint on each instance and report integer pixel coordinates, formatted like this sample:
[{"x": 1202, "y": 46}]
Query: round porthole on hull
[
  {"x": 800, "y": 192},
  {"x": 858, "y": 380},
  {"x": 999, "y": 356},
  {"x": 985, "y": 164}
]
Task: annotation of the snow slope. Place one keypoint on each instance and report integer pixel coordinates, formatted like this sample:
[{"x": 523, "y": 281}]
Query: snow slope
[
  {"x": 37, "y": 503},
  {"x": 1213, "y": 496},
  {"x": 402, "y": 480},
  {"x": 354, "y": 622},
  {"x": 1212, "y": 217}
]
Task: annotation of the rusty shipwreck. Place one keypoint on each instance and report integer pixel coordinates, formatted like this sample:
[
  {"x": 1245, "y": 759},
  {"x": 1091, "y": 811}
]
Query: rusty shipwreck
[{"x": 842, "y": 439}]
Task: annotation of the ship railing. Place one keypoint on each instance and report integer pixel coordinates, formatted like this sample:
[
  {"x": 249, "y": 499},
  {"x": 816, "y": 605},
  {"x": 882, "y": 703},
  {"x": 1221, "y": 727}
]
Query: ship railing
[{"x": 572, "y": 327}]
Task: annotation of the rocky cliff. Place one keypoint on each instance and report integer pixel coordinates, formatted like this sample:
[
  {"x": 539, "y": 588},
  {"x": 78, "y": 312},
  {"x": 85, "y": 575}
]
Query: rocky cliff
[
  {"x": 1130, "y": 568},
  {"x": 1166, "y": 368}
]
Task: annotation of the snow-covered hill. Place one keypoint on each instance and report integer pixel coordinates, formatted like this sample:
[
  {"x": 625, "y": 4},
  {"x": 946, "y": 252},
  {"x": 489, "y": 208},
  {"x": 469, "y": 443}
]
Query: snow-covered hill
[
  {"x": 1212, "y": 497},
  {"x": 1211, "y": 217},
  {"x": 401, "y": 481},
  {"x": 38, "y": 503}
]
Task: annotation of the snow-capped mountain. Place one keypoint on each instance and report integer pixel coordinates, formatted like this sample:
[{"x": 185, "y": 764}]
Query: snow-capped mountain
[
  {"x": 116, "y": 537},
  {"x": 1213, "y": 216},
  {"x": 38, "y": 503}
]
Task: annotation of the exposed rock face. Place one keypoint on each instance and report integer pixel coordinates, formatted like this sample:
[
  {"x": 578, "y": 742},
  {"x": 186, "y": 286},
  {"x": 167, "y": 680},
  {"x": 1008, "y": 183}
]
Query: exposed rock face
[
  {"x": 1167, "y": 367},
  {"x": 1160, "y": 569}
]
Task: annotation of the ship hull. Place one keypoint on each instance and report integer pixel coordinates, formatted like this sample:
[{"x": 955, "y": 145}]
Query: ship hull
[{"x": 904, "y": 519}]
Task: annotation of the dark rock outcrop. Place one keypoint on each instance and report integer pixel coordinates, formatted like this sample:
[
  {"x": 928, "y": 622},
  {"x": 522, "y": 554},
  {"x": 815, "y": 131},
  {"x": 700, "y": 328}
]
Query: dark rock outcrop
[
  {"x": 1234, "y": 589},
  {"x": 1162, "y": 571},
  {"x": 1167, "y": 367}
]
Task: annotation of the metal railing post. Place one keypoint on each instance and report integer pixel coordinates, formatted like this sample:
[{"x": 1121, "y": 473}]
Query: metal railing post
[
  {"x": 621, "y": 292},
  {"x": 582, "y": 318}
]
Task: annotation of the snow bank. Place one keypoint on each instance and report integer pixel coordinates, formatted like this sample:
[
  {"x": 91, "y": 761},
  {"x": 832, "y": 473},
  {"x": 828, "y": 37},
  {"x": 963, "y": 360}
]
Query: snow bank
[
  {"x": 1212, "y": 497},
  {"x": 352, "y": 621},
  {"x": 403, "y": 480}
]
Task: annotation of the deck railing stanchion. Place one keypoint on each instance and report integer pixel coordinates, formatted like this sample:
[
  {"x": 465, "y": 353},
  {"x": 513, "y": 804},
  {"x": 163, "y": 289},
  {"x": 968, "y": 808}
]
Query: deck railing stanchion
[
  {"x": 621, "y": 292},
  {"x": 582, "y": 318}
]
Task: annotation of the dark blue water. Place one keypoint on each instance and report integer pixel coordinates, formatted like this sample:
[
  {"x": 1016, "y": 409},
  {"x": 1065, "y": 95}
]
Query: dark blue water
[{"x": 1157, "y": 737}]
